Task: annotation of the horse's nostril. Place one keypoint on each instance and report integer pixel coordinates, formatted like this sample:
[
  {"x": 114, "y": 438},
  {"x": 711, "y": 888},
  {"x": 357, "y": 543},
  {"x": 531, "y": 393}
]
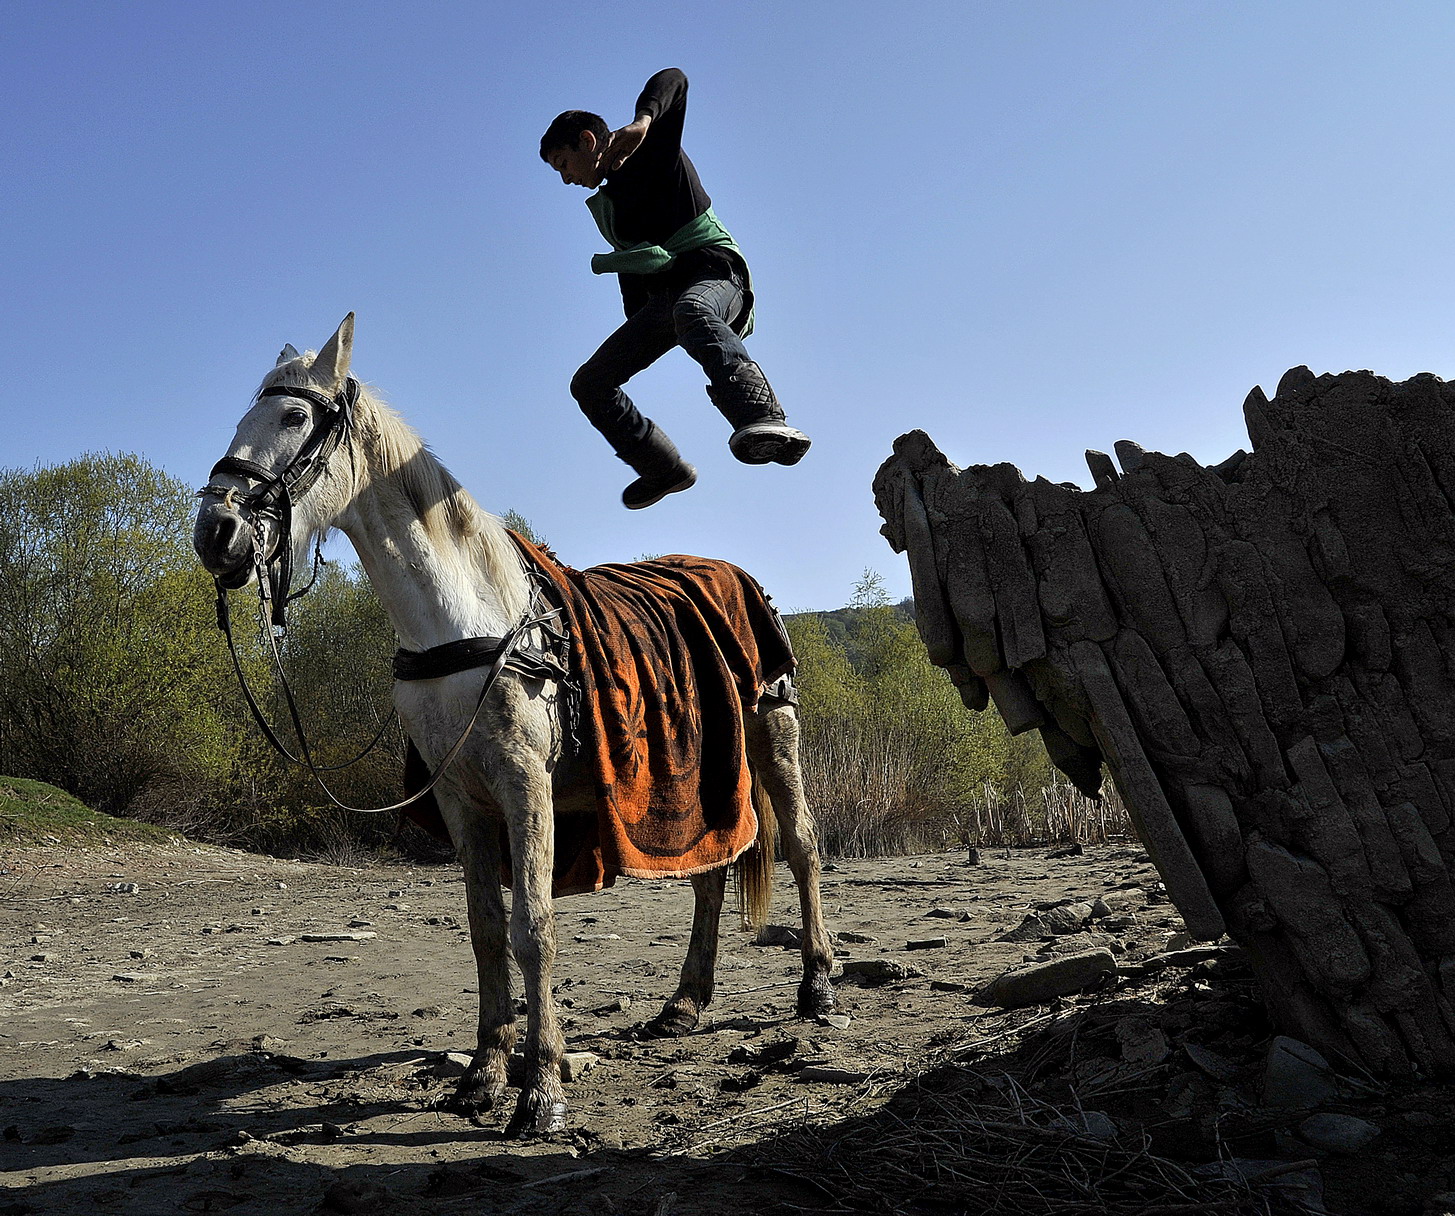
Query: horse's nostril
[
  {"x": 219, "y": 537},
  {"x": 227, "y": 530}
]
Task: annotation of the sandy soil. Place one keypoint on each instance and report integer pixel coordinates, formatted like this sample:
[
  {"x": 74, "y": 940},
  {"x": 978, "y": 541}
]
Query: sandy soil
[{"x": 178, "y": 1046}]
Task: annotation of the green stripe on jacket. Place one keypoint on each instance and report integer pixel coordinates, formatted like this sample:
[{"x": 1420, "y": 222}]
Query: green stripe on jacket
[{"x": 646, "y": 257}]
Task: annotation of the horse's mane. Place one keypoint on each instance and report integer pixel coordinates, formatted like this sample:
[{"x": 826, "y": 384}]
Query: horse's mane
[{"x": 388, "y": 455}]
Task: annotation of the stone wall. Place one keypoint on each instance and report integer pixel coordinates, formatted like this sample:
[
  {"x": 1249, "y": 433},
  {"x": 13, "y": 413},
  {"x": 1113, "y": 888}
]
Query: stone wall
[{"x": 1261, "y": 654}]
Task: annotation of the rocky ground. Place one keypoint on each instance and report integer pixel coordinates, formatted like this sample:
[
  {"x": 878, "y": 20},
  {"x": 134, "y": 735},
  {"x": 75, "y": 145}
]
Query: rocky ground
[{"x": 196, "y": 1029}]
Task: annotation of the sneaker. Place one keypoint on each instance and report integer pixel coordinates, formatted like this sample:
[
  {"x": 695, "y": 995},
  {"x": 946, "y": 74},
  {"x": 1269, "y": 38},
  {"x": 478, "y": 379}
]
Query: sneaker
[{"x": 769, "y": 443}]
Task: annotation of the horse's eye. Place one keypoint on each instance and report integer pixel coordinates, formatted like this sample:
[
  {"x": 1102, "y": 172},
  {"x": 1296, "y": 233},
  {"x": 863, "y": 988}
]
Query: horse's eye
[{"x": 294, "y": 417}]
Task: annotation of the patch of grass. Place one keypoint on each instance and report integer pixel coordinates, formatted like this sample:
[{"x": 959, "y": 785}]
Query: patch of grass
[{"x": 31, "y": 811}]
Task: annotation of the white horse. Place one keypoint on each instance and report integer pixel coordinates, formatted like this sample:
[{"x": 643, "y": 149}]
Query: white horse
[{"x": 444, "y": 570}]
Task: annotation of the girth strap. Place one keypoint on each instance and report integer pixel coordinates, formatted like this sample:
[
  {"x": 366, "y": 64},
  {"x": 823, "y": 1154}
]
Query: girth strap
[{"x": 467, "y": 653}]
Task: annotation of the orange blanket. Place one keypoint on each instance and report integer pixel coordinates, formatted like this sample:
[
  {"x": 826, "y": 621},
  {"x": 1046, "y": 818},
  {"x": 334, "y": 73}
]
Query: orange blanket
[{"x": 670, "y": 654}]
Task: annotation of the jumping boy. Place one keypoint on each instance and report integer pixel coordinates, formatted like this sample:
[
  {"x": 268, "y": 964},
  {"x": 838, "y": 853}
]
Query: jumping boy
[{"x": 683, "y": 283}]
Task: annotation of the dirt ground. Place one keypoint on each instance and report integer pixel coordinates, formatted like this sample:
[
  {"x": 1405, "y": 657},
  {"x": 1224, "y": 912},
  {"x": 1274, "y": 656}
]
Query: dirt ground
[{"x": 171, "y": 1042}]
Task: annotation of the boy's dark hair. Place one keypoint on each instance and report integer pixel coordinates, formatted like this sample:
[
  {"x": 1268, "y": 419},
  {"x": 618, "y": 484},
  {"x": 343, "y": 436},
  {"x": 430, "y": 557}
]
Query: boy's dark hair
[{"x": 565, "y": 130}]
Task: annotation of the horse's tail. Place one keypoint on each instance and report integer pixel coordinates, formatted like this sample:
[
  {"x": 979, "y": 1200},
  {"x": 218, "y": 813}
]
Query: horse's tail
[{"x": 755, "y": 867}]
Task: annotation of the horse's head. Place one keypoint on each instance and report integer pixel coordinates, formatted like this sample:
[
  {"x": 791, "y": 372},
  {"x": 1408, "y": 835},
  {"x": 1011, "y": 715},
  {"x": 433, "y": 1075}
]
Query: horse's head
[{"x": 270, "y": 491}]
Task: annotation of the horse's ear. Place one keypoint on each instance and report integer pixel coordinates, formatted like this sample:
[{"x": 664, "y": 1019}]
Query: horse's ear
[
  {"x": 286, "y": 354},
  {"x": 331, "y": 364}
]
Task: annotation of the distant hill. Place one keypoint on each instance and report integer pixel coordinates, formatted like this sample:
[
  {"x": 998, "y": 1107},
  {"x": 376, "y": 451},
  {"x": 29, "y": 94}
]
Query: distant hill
[{"x": 843, "y": 624}]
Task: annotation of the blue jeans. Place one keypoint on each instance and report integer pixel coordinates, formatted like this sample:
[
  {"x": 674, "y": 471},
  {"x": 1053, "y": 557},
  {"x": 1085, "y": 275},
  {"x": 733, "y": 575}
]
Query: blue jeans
[{"x": 698, "y": 319}]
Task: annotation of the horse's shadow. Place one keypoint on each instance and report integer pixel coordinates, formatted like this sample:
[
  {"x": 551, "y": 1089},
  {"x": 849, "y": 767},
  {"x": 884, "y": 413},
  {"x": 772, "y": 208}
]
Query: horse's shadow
[
  {"x": 109, "y": 1116},
  {"x": 190, "y": 1140}
]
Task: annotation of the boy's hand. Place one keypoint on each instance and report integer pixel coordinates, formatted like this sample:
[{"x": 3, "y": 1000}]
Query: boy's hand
[{"x": 625, "y": 141}]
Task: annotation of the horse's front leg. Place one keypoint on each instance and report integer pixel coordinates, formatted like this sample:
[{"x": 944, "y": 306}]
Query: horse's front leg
[
  {"x": 477, "y": 840},
  {"x": 694, "y": 991},
  {"x": 525, "y": 794}
]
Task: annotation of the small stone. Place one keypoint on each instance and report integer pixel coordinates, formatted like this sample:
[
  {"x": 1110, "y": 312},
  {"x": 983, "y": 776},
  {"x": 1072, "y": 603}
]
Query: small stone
[
  {"x": 1337, "y": 1133},
  {"x": 452, "y": 1064},
  {"x": 286, "y": 940},
  {"x": 949, "y": 986},
  {"x": 280, "y": 886},
  {"x": 1213, "y": 1065},
  {"x": 356, "y": 923},
  {"x": 839, "y": 1021},
  {"x": 778, "y": 935},
  {"x": 576, "y": 1064},
  {"x": 394, "y": 894},
  {"x": 1029, "y": 930},
  {"x": 1141, "y": 1042},
  {"x": 44, "y": 958},
  {"x": 135, "y": 977},
  {"x": 337, "y": 937},
  {"x": 856, "y": 939},
  {"x": 1296, "y": 1077},
  {"x": 1042, "y": 982},
  {"x": 877, "y": 971},
  {"x": 598, "y": 937},
  {"x": 121, "y": 888},
  {"x": 1069, "y": 918},
  {"x": 1100, "y": 910},
  {"x": 927, "y": 943},
  {"x": 56, "y": 1134},
  {"x": 943, "y": 913},
  {"x": 620, "y": 1005},
  {"x": 143, "y": 953}
]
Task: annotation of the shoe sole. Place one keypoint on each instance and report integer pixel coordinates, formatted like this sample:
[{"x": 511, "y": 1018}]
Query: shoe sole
[
  {"x": 685, "y": 484},
  {"x": 773, "y": 449}
]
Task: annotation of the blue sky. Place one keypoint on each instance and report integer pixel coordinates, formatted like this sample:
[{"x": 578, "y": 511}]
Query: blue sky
[{"x": 1027, "y": 227}]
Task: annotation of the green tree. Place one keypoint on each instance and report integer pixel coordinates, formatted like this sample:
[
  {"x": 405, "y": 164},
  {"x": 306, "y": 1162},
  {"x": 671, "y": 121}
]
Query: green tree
[
  {"x": 114, "y": 682},
  {"x": 892, "y": 760},
  {"x": 518, "y": 523}
]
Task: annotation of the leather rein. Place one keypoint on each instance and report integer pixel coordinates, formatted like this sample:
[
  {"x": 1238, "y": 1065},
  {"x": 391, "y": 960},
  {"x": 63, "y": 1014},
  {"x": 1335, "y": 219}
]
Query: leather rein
[{"x": 273, "y": 497}]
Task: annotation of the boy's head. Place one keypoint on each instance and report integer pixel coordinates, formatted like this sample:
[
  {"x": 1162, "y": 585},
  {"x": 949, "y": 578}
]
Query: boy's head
[{"x": 573, "y": 145}]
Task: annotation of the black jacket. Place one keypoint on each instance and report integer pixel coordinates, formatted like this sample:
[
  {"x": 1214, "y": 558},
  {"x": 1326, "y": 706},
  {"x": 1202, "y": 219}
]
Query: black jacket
[{"x": 658, "y": 190}]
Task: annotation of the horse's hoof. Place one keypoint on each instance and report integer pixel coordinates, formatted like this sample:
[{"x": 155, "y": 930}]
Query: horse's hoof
[
  {"x": 537, "y": 1117},
  {"x": 669, "y": 1024},
  {"x": 815, "y": 997},
  {"x": 474, "y": 1096}
]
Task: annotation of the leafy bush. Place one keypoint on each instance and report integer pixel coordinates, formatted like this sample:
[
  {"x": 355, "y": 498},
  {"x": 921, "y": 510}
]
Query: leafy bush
[
  {"x": 892, "y": 760},
  {"x": 116, "y": 690}
]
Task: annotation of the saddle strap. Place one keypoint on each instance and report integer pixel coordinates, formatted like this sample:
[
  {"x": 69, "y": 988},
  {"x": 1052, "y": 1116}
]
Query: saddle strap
[{"x": 467, "y": 653}]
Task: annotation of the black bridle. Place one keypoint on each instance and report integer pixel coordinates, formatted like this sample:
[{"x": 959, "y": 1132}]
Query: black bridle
[
  {"x": 273, "y": 497},
  {"x": 274, "y": 493}
]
